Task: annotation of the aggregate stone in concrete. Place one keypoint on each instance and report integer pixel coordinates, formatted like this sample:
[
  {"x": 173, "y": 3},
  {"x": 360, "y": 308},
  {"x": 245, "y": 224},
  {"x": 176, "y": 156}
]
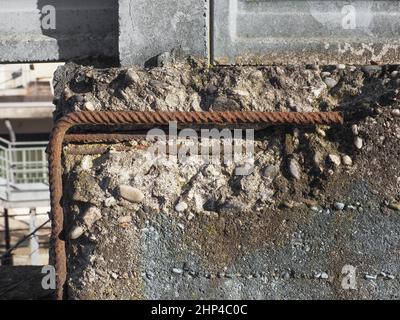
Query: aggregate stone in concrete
[{"x": 262, "y": 236}]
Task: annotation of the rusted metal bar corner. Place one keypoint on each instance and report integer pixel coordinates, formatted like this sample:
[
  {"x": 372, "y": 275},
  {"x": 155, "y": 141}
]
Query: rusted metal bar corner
[{"x": 146, "y": 118}]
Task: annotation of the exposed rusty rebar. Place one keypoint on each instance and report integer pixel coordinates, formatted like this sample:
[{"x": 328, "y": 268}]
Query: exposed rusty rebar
[
  {"x": 102, "y": 137},
  {"x": 96, "y": 150},
  {"x": 147, "y": 118}
]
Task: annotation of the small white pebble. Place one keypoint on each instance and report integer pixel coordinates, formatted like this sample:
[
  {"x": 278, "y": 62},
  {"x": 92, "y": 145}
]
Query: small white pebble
[
  {"x": 109, "y": 202},
  {"x": 395, "y": 112},
  {"x": 347, "y": 161},
  {"x": 86, "y": 163},
  {"x": 354, "y": 129},
  {"x": 181, "y": 206},
  {"x": 177, "y": 270},
  {"x": 339, "y": 205},
  {"x": 271, "y": 171},
  {"x": 317, "y": 158},
  {"x": 294, "y": 169},
  {"x": 90, "y": 216},
  {"x": 358, "y": 142},
  {"x": 114, "y": 275},
  {"x": 330, "y": 82},
  {"x": 67, "y": 93},
  {"x": 131, "y": 194},
  {"x": 180, "y": 225},
  {"x": 321, "y": 132},
  {"x": 124, "y": 219},
  {"x": 325, "y": 74},
  {"x": 76, "y": 232},
  {"x": 89, "y": 106},
  {"x": 335, "y": 159}
]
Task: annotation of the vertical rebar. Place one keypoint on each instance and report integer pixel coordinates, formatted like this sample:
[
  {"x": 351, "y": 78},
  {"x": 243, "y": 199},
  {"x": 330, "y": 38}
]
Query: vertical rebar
[{"x": 7, "y": 258}]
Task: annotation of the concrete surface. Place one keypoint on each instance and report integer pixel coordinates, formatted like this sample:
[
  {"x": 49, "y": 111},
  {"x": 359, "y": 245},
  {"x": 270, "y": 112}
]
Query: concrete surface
[
  {"x": 328, "y": 32},
  {"x": 82, "y": 29},
  {"x": 274, "y": 234},
  {"x": 139, "y": 32},
  {"x": 151, "y": 27}
]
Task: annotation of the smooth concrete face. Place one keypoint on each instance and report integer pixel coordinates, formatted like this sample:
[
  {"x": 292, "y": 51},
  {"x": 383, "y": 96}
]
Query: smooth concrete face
[
  {"x": 262, "y": 32},
  {"x": 151, "y": 27}
]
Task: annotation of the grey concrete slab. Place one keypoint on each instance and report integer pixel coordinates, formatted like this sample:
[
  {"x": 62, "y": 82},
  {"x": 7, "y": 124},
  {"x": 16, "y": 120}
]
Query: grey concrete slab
[
  {"x": 242, "y": 31},
  {"x": 79, "y": 29},
  {"x": 264, "y": 32},
  {"x": 151, "y": 27}
]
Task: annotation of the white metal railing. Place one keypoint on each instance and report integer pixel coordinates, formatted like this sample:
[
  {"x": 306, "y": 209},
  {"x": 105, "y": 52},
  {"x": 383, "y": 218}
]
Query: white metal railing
[
  {"x": 23, "y": 162},
  {"x": 23, "y": 184}
]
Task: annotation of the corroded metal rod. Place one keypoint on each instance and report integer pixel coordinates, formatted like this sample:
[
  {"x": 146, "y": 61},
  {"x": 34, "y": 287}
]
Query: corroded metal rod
[{"x": 114, "y": 118}]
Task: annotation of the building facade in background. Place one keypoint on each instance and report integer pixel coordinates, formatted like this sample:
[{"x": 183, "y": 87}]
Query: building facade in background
[{"x": 25, "y": 123}]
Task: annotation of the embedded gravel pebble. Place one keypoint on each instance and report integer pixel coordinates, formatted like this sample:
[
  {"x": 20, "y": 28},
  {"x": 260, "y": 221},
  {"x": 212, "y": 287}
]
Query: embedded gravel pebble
[{"x": 319, "y": 201}]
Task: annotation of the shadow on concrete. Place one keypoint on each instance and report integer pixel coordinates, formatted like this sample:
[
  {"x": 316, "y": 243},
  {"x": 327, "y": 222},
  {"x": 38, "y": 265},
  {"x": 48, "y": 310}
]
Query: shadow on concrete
[{"x": 86, "y": 31}]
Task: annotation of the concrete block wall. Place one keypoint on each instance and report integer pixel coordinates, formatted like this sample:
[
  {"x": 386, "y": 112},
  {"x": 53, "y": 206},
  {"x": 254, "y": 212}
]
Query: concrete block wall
[{"x": 224, "y": 31}]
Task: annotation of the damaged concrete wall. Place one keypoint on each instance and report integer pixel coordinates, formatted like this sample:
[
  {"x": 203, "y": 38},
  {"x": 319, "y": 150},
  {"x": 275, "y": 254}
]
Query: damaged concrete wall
[{"x": 319, "y": 198}]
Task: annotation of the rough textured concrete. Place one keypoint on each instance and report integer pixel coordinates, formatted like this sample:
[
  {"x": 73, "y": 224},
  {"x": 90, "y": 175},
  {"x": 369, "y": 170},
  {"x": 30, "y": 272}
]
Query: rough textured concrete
[
  {"x": 150, "y": 28},
  {"x": 82, "y": 29},
  {"x": 328, "y": 32},
  {"x": 319, "y": 198}
]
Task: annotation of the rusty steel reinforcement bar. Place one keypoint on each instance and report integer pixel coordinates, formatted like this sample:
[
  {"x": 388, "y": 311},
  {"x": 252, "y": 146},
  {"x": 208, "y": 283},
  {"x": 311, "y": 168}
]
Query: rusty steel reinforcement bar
[
  {"x": 102, "y": 138},
  {"x": 146, "y": 118}
]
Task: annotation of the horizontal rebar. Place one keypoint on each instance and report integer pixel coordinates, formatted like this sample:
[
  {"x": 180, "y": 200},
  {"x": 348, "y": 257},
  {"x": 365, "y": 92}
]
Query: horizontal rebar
[{"x": 117, "y": 118}]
